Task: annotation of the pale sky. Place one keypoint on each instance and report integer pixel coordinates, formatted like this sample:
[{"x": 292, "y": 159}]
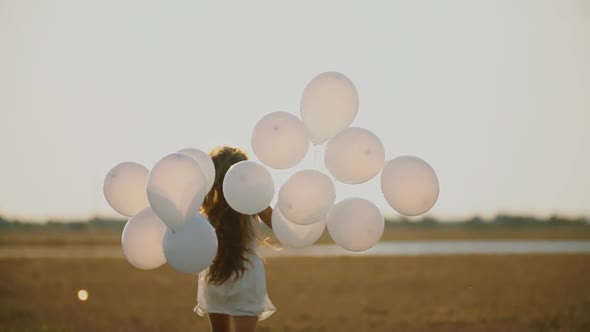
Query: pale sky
[{"x": 495, "y": 95}]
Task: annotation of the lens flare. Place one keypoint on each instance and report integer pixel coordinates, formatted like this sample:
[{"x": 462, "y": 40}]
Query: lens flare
[{"x": 82, "y": 295}]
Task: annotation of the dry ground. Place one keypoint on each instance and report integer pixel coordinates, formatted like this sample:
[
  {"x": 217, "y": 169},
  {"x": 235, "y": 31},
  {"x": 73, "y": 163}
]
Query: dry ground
[{"x": 449, "y": 293}]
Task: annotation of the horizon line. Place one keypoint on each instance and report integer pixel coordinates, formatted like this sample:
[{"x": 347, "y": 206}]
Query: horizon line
[{"x": 386, "y": 216}]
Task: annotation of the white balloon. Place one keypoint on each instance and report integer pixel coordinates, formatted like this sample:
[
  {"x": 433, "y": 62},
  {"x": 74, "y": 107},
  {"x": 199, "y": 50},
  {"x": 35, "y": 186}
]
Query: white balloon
[
  {"x": 329, "y": 104},
  {"x": 124, "y": 188},
  {"x": 205, "y": 163},
  {"x": 176, "y": 188},
  {"x": 143, "y": 240},
  {"x": 410, "y": 185},
  {"x": 306, "y": 197},
  {"x": 279, "y": 140},
  {"x": 355, "y": 155},
  {"x": 355, "y": 224},
  {"x": 192, "y": 247},
  {"x": 294, "y": 235},
  {"x": 248, "y": 187}
]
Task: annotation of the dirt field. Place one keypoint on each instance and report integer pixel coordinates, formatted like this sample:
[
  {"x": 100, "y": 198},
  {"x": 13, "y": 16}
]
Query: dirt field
[{"x": 450, "y": 293}]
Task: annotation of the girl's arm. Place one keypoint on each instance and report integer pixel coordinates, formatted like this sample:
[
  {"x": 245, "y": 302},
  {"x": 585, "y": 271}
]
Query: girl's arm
[{"x": 266, "y": 216}]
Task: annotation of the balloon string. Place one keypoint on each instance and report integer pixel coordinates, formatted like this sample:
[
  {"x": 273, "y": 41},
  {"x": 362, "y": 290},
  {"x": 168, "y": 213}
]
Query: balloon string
[
  {"x": 315, "y": 156},
  {"x": 319, "y": 163}
]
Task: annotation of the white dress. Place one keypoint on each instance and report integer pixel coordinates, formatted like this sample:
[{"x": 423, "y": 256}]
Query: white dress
[{"x": 245, "y": 296}]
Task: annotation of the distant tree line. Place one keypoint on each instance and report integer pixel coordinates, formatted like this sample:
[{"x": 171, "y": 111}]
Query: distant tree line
[
  {"x": 94, "y": 224},
  {"x": 501, "y": 220}
]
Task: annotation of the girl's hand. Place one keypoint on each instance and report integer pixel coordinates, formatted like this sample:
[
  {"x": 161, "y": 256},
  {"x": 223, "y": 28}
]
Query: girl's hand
[{"x": 266, "y": 216}]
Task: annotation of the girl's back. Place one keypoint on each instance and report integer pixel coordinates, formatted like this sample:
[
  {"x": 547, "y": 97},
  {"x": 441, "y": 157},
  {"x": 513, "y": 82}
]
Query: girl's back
[
  {"x": 234, "y": 285},
  {"x": 243, "y": 296}
]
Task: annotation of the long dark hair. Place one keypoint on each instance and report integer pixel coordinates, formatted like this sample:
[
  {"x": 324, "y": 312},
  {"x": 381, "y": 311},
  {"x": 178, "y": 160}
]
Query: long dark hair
[{"x": 234, "y": 231}]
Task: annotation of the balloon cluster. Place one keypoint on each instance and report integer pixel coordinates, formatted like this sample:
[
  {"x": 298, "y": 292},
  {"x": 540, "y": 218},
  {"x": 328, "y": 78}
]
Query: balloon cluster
[
  {"x": 353, "y": 155},
  {"x": 164, "y": 203}
]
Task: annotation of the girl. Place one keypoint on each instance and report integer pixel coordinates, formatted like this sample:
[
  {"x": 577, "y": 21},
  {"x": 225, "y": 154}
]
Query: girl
[{"x": 234, "y": 286}]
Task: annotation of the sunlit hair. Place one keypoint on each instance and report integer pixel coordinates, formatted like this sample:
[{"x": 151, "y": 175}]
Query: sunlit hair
[{"x": 234, "y": 231}]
